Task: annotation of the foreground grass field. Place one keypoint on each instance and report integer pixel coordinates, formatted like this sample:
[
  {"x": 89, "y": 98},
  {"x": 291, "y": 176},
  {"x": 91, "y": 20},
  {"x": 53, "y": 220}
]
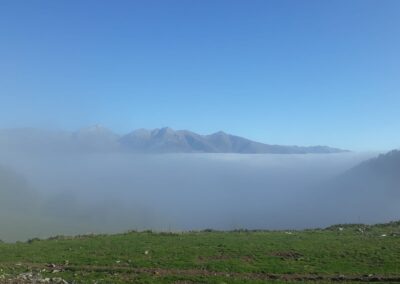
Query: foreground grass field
[{"x": 351, "y": 253}]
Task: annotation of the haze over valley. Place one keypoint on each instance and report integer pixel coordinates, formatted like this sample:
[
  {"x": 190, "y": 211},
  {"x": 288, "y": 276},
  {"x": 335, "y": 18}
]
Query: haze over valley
[{"x": 50, "y": 191}]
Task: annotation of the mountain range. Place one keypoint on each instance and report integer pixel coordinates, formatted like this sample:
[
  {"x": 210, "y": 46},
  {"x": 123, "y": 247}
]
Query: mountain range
[{"x": 163, "y": 140}]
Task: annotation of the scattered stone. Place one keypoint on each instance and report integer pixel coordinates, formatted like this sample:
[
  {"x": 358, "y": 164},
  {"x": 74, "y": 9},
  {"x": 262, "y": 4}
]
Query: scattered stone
[
  {"x": 30, "y": 277},
  {"x": 58, "y": 280},
  {"x": 341, "y": 277}
]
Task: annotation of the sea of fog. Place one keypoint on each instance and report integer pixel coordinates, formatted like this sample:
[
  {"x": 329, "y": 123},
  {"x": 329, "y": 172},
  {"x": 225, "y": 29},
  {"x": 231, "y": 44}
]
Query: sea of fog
[{"x": 102, "y": 193}]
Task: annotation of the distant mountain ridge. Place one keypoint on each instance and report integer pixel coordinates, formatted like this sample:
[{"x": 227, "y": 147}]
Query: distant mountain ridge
[
  {"x": 368, "y": 192},
  {"x": 169, "y": 140},
  {"x": 160, "y": 140}
]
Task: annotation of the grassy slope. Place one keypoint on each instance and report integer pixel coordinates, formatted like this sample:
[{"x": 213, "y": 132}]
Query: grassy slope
[{"x": 211, "y": 257}]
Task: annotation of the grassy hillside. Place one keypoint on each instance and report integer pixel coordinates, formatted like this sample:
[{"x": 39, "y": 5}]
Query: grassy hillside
[{"x": 355, "y": 253}]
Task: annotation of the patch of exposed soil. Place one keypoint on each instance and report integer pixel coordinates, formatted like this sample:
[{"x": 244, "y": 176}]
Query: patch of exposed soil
[{"x": 287, "y": 255}]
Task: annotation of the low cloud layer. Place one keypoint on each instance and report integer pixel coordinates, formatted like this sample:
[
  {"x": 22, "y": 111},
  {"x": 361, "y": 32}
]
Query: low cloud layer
[{"x": 82, "y": 193}]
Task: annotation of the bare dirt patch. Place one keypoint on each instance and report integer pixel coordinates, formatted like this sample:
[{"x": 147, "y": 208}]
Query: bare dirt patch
[{"x": 287, "y": 255}]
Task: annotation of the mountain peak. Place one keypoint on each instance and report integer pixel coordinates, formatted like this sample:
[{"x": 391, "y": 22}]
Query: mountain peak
[
  {"x": 167, "y": 130},
  {"x": 219, "y": 133},
  {"x": 95, "y": 136},
  {"x": 97, "y": 128},
  {"x": 163, "y": 131}
]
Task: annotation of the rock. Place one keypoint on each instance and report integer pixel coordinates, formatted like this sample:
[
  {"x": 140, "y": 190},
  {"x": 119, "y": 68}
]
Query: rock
[{"x": 58, "y": 280}]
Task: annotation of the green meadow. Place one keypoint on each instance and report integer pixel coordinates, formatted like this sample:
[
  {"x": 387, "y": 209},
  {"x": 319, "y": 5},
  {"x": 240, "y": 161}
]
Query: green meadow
[{"x": 342, "y": 253}]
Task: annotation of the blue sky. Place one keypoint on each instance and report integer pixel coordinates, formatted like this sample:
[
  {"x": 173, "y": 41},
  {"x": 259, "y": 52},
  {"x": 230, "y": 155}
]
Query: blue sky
[{"x": 283, "y": 72}]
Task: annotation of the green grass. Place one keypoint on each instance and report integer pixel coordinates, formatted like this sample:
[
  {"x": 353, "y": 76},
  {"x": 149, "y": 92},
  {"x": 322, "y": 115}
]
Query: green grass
[{"x": 212, "y": 257}]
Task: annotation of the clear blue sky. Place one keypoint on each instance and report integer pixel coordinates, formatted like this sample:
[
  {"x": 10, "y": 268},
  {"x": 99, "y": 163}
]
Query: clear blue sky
[{"x": 285, "y": 72}]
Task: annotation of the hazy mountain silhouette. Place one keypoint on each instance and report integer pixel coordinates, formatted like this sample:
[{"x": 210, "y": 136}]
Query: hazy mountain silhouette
[
  {"x": 95, "y": 138},
  {"x": 380, "y": 174},
  {"x": 369, "y": 192},
  {"x": 164, "y": 140}
]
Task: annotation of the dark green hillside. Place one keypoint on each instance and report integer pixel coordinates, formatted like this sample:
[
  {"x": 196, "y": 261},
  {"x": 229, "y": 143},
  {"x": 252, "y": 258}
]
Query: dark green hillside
[{"x": 352, "y": 253}]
